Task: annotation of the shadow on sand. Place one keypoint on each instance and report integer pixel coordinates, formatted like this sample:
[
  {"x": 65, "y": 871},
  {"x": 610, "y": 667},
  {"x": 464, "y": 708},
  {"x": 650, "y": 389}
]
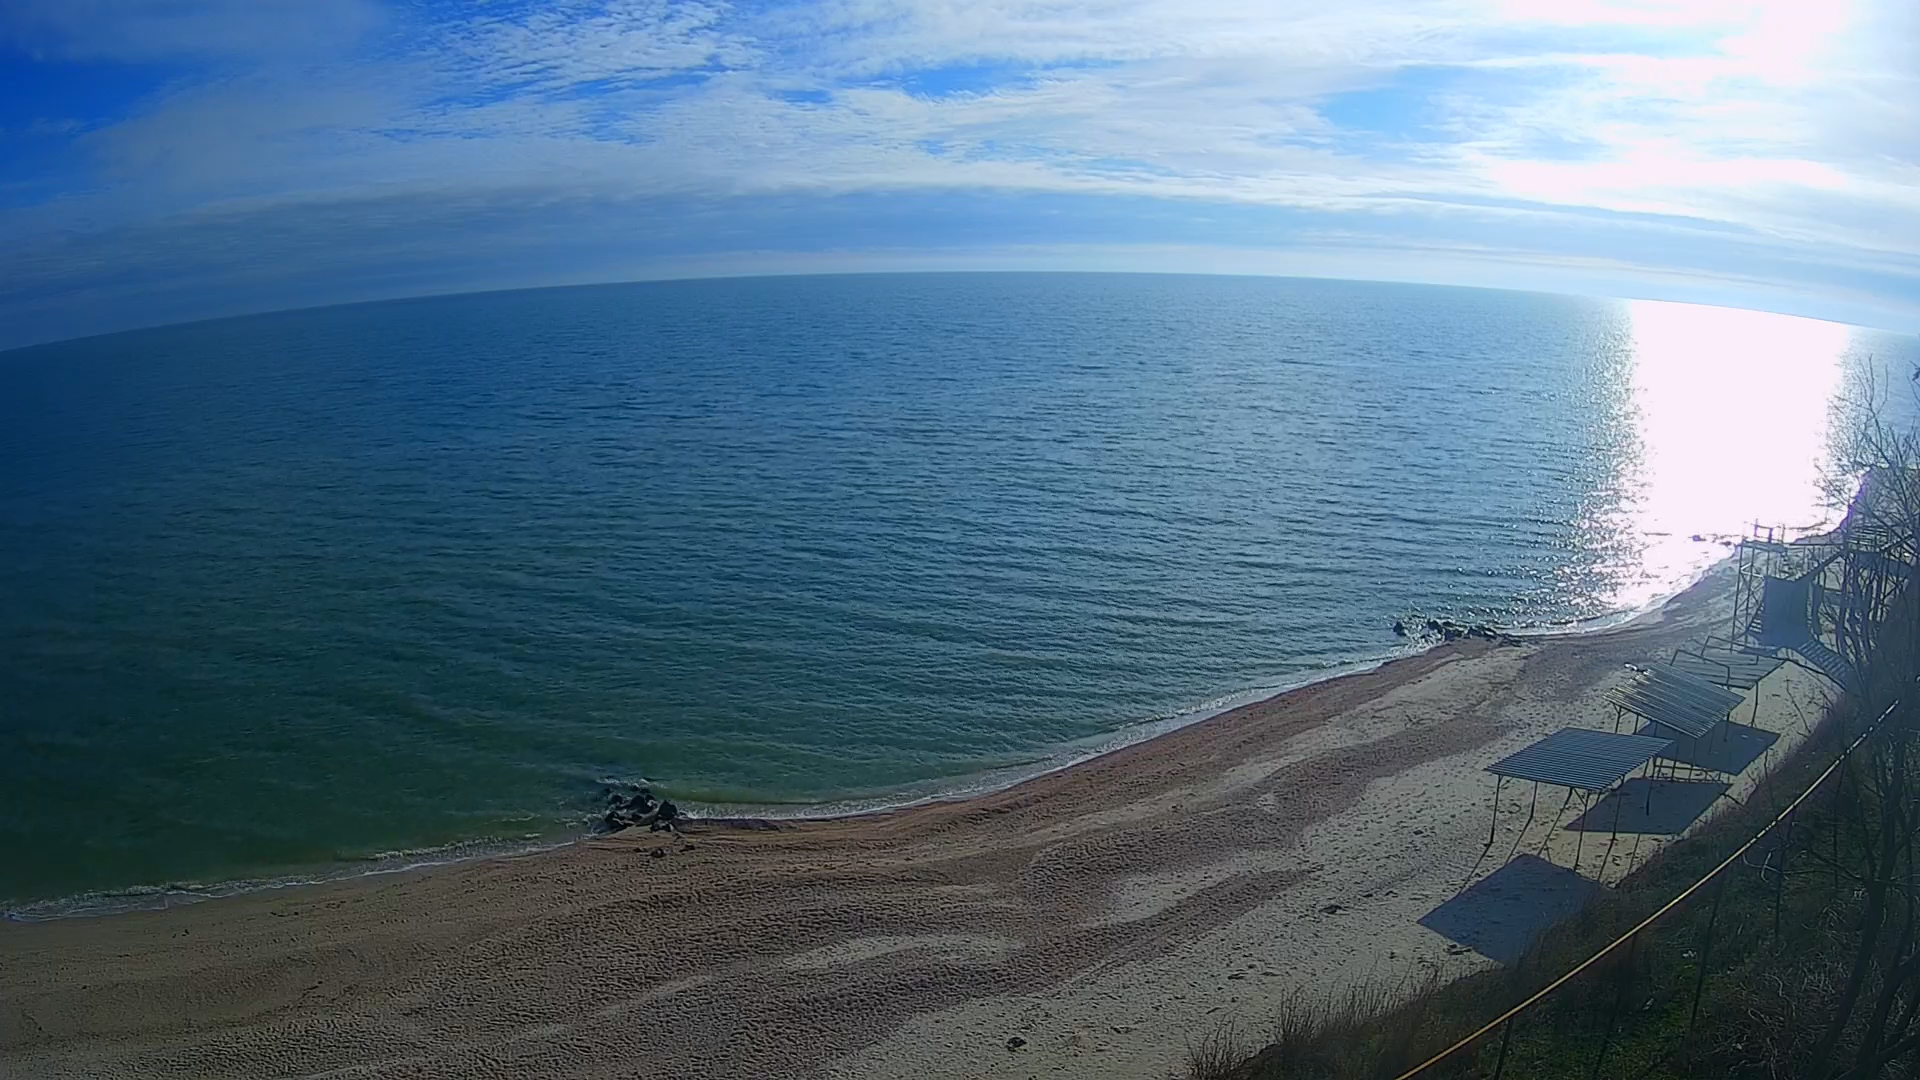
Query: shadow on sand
[
  {"x": 1656, "y": 807},
  {"x": 1500, "y": 915},
  {"x": 1728, "y": 750}
]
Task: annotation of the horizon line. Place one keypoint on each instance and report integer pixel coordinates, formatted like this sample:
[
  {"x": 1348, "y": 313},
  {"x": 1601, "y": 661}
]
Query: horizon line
[{"x": 775, "y": 274}]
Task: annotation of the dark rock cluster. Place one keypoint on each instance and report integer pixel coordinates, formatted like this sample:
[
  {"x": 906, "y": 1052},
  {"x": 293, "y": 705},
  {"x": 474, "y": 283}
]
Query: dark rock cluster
[
  {"x": 635, "y": 805},
  {"x": 1448, "y": 630}
]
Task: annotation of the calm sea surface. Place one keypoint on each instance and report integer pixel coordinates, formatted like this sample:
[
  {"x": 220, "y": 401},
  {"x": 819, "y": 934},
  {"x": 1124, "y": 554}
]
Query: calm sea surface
[{"x": 306, "y": 589}]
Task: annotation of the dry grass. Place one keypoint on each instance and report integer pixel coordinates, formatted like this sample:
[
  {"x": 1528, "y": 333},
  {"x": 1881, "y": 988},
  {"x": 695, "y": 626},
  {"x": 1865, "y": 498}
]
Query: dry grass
[
  {"x": 1628, "y": 1016},
  {"x": 1363, "y": 1031},
  {"x": 1219, "y": 1055}
]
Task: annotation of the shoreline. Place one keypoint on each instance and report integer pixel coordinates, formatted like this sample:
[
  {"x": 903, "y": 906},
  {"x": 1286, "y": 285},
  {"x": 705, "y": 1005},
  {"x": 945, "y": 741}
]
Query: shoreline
[
  {"x": 102, "y": 904},
  {"x": 1100, "y": 916},
  {"x": 148, "y": 898},
  {"x": 107, "y": 903}
]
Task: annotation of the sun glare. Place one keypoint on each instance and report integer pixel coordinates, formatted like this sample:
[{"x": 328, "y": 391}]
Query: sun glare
[{"x": 1732, "y": 414}]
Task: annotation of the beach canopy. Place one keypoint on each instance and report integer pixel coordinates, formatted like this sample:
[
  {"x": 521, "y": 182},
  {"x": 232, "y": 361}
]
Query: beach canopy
[
  {"x": 1581, "y": 759},
  {"x": 1676, "y": 700},
  {"x": 1728, "y": 665},
  {"x": 1688, "y": 685}
]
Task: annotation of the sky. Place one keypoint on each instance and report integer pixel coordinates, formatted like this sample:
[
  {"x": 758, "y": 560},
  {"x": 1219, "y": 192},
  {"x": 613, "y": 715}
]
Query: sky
[{"x": 167, "y": 160}]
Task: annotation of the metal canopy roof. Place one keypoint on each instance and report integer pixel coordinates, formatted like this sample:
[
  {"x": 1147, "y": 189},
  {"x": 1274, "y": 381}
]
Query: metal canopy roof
[
  {"x": 1694, "y": 687},
  {"x": 1678, "y": 702},
  {"x": 1731, "y": 668},
  {"x": 1581, "y": 758},
  {"x": 1648, "y": 703}
]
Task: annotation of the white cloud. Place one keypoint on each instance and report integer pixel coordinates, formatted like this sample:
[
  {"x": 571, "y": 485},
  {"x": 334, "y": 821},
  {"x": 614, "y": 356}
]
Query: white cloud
[
  {"x": 1777, "y": 122},
  {"x": 564, "y": 45}
]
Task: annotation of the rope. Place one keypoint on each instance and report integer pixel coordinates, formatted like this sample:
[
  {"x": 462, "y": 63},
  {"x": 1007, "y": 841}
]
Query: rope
[{"x": 1556, "y": 984}]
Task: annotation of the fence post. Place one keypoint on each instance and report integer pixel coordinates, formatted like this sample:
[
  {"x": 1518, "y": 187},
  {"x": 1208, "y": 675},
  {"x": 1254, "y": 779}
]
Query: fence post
[
  {"x": 1706, "y": 947},
  {"x": 1506, "y": 1039},
  {"x": 1619, "y": 1005},
  {"x": 1834, "y": 813},
  {"x": 1780, "y": 872}
]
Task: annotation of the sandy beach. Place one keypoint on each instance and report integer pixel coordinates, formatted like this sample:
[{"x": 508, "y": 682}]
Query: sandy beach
[{"x": 1091, "y": 922}]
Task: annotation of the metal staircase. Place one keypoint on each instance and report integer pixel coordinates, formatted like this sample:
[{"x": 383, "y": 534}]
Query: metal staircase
[{"x": 1829, "y": 663}]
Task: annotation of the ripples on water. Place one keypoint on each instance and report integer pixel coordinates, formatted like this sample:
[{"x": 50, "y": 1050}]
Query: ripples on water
[{"x": 290, "y": 589}]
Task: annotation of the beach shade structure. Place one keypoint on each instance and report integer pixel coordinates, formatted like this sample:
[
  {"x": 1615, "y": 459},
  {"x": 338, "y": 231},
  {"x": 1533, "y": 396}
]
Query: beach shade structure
[
  {"x": 1724, "y": 663},
  {"x": 1688, "y": 686},
  {"x": 1584, "y": 761},
  {"x": 1674, "y": 703}
]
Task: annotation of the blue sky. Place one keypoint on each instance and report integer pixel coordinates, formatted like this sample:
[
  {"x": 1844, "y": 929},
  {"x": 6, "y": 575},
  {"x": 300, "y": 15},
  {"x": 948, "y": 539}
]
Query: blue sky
[{"x": 163, "y": 160}]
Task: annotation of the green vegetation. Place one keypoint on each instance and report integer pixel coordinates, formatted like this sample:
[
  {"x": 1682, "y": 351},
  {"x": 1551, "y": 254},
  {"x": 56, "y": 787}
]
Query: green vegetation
[{"x": 1800, "y": 960}]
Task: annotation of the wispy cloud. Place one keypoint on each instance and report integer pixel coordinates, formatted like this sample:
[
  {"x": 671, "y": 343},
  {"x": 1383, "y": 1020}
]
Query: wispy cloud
[
  {"x": 146, "y": 31},
  {"x": 1656, "y": 134}
]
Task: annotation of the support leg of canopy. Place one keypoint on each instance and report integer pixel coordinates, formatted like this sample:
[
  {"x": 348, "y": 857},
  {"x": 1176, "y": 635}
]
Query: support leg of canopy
[
  {"x": 1618, "y": 802},
  {"x": 1581, "y": 835},
  {"x": 1494, "y": 829}
]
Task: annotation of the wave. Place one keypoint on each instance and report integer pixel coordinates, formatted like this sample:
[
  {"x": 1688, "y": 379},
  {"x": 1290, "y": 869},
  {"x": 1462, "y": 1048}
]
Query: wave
[
  {"x": 179, "y": 894},
  {"x": 1071, "y": 754},
  {"x": 999, "y": 778},
  {"x": 1065, "y": 756}
]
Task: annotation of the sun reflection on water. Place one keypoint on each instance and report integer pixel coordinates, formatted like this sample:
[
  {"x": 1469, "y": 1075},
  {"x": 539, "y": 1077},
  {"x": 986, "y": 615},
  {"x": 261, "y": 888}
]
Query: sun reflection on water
[{"x": 1732, "y": 417}]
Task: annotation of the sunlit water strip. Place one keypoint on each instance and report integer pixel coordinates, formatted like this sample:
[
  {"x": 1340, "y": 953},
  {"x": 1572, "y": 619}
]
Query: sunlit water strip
[
  {"x": 296, "y": 591},
  {"x": 1731, "y": 418}
]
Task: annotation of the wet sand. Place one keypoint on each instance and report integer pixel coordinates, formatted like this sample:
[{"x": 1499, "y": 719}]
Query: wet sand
[{"x": 1105, "y": 915}]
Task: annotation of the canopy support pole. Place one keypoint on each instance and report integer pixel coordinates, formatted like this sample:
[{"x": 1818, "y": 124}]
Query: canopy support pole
[{"x": 1493, "y": 829}]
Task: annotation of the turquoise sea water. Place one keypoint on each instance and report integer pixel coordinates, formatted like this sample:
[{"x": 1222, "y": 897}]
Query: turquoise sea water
[{"x": 301, "y": 589}]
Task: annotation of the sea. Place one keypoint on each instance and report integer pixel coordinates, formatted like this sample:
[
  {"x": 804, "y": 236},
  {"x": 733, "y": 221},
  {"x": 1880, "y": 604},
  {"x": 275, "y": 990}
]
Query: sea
[{"x": 349, "y": 589}]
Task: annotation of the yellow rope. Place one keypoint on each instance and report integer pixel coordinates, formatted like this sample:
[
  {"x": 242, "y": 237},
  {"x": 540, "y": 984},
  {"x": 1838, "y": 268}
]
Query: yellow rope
[{"x": 1668, "y": 906}]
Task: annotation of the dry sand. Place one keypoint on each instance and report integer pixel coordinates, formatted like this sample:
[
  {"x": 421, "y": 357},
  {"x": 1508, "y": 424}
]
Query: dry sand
[{"x": 1107, "y": 915}]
